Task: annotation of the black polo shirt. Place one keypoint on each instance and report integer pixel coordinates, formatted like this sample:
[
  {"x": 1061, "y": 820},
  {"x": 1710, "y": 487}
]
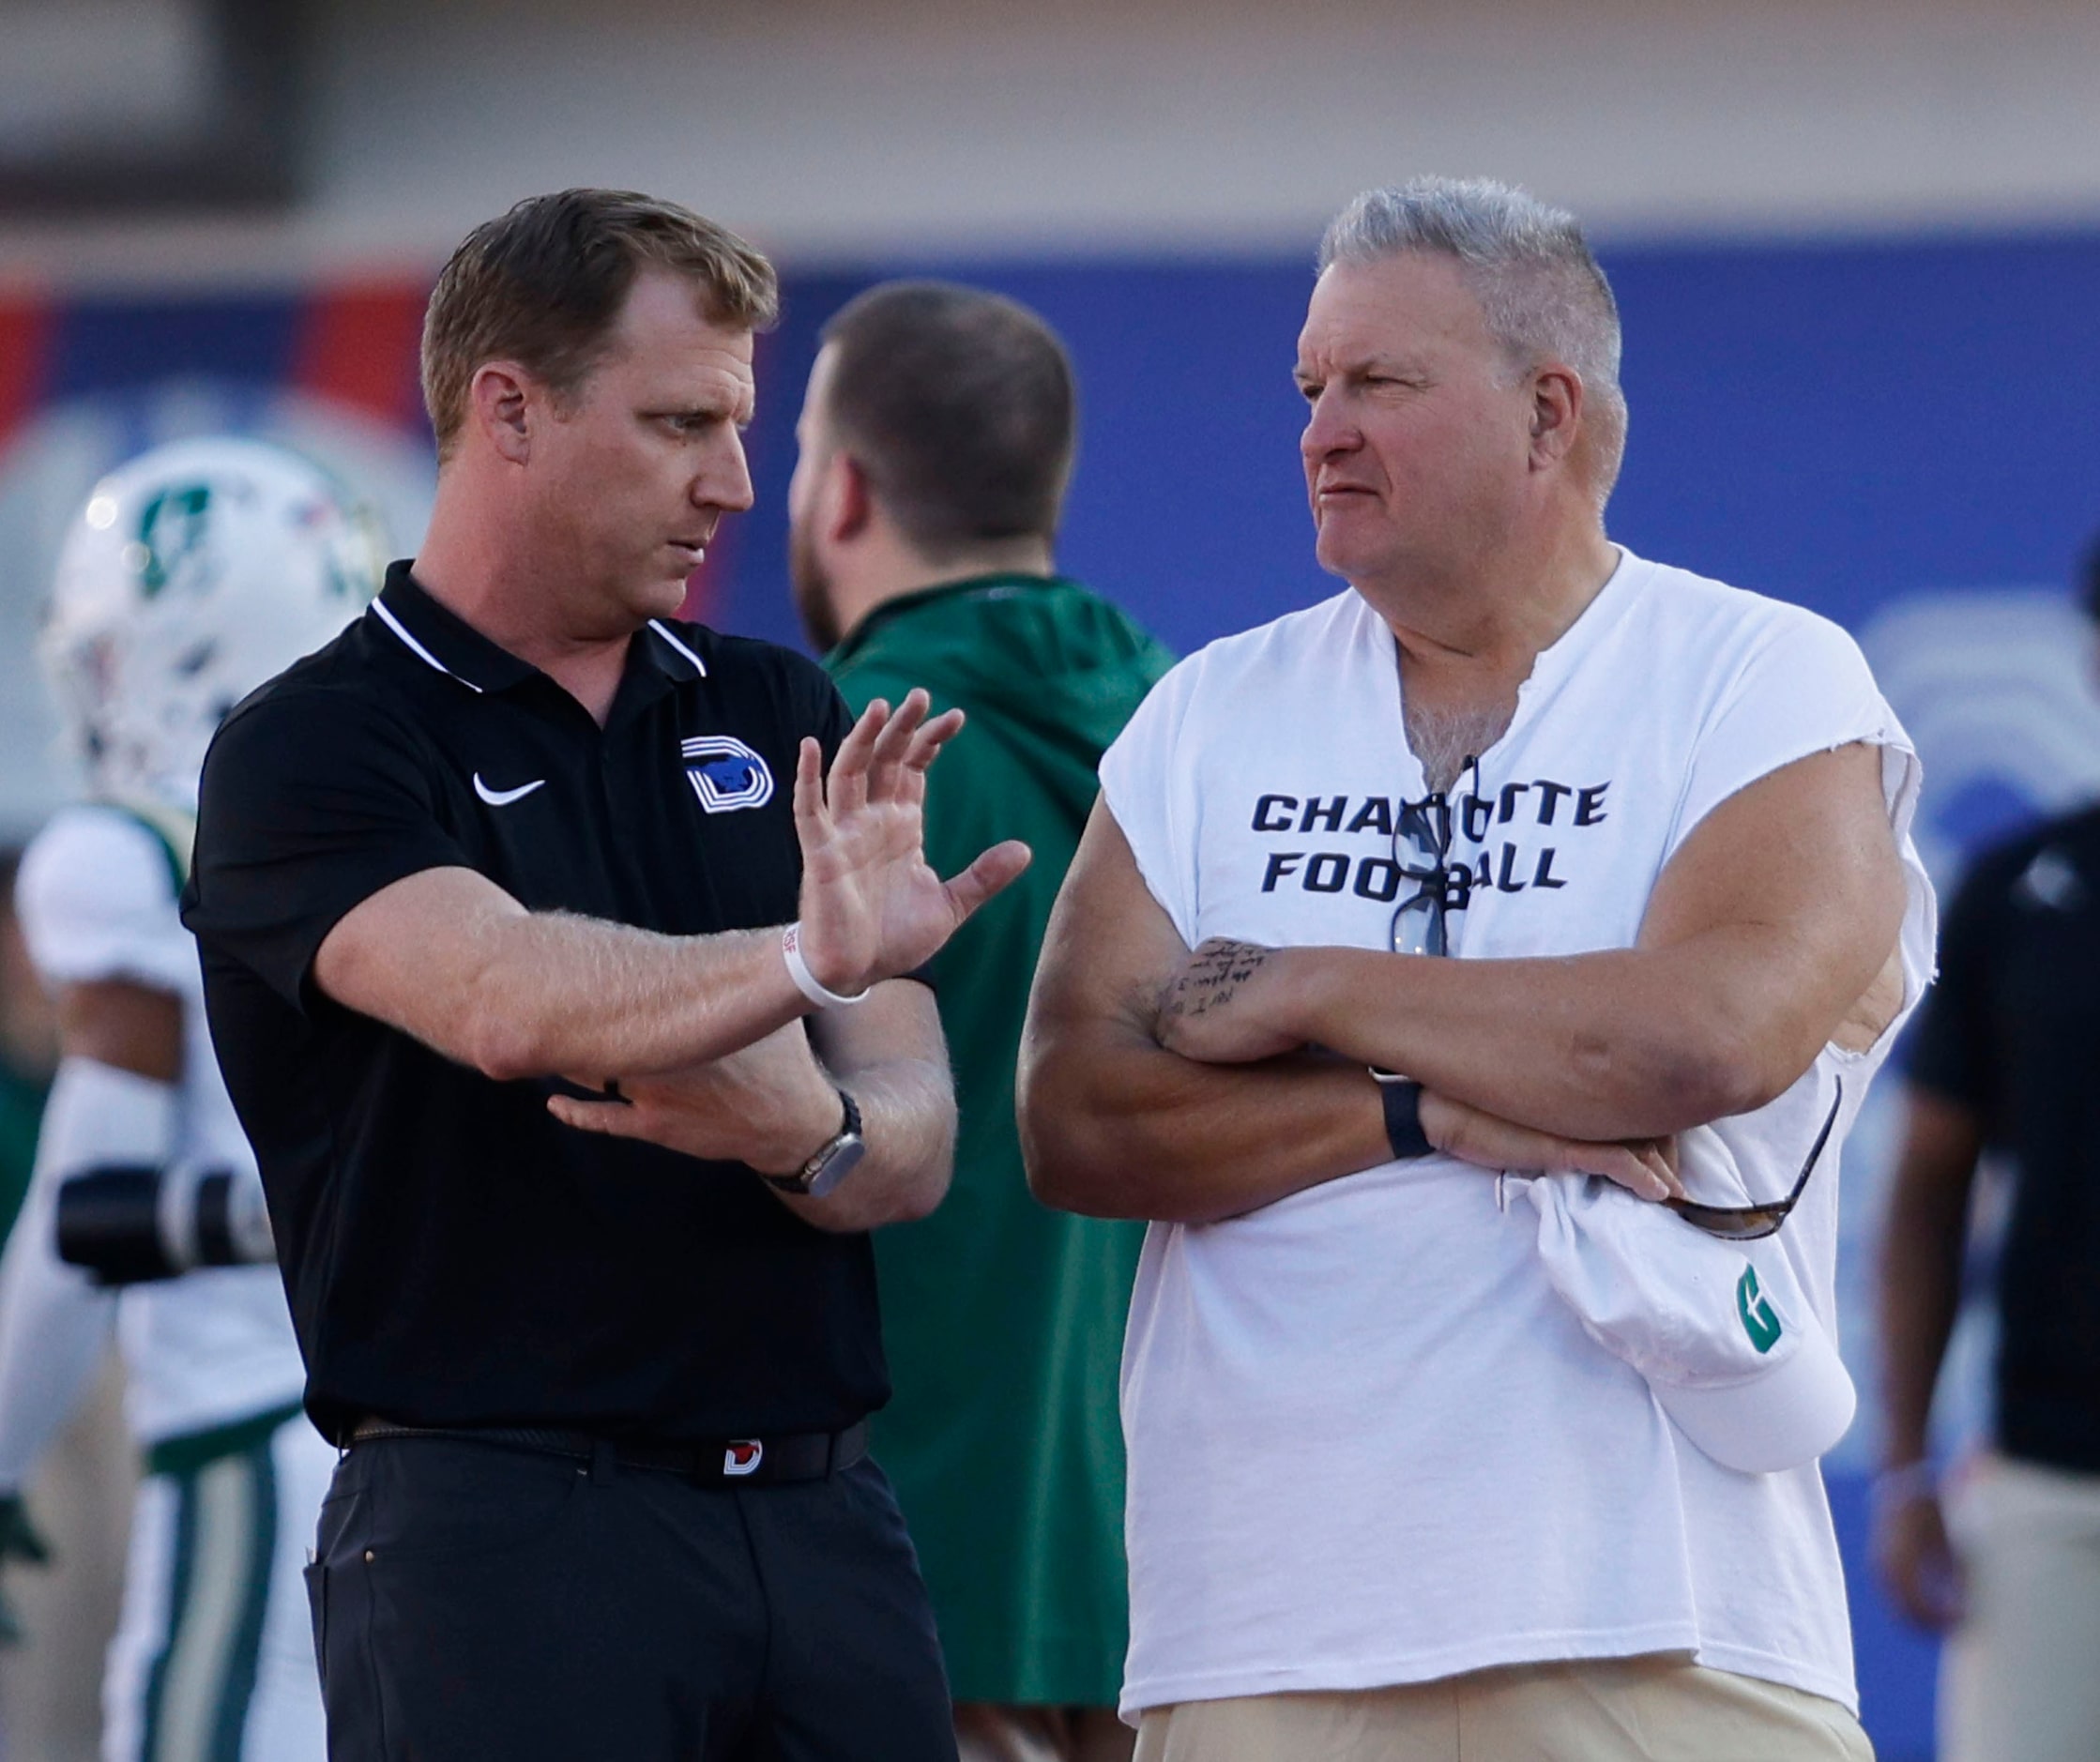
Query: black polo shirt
[
  {"x": 454, "y": 1255},
  {"x": 2011, "y": 1032}
]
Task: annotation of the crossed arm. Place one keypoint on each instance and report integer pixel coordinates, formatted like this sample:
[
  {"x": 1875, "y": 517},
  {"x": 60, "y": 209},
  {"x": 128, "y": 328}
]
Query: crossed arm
[
  {"x": 771, "y": 1103},
  {"x": 1772, "y": 930},
  {"x": 704, "y": 1033}
]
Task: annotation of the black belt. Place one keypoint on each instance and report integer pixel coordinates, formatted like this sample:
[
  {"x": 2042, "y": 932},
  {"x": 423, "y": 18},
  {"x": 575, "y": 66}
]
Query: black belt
[{"x": 726, "y": 1461}]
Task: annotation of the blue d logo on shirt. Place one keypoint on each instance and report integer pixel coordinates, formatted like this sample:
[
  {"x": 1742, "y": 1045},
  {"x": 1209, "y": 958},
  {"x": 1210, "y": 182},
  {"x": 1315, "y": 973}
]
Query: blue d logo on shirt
[{"x": 725, "y": 773}]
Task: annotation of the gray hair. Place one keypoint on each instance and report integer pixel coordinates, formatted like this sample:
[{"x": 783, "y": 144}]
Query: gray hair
[{"x": 1539, "y": 289}]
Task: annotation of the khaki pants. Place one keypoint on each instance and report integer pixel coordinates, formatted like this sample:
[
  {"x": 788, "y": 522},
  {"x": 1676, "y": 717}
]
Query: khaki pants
[
  {"x": 2021, "y": 1677},
  {"x": 988, "y": 1732},
  {"x": 1629, "y": 1709}
]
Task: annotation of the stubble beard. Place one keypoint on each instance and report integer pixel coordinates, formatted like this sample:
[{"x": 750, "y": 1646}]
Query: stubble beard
[{"x": 811, "y": 589}]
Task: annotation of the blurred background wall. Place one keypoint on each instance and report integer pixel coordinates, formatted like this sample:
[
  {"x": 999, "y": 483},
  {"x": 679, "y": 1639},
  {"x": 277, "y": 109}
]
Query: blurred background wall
[{"x": 1858, "y": 250}]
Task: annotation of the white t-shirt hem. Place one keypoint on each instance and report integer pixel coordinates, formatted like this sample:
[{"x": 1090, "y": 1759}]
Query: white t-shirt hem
[
  {"x": 1789, "y": 1672},
  {"x": 1342, "y": 1676}
]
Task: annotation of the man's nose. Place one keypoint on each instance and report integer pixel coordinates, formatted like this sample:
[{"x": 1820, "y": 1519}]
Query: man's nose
[
  {"x": 1327, "y": 428},
  {"x": 724, "y": 481}
]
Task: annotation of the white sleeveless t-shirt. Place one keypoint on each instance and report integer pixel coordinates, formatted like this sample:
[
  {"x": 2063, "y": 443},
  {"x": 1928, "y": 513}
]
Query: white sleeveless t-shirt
[{"x": 1369, "y": 1445}]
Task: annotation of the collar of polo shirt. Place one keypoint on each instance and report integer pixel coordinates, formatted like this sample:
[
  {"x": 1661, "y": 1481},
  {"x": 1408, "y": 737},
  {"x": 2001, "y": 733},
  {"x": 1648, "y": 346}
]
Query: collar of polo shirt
[{"x": 439, "y": 638}]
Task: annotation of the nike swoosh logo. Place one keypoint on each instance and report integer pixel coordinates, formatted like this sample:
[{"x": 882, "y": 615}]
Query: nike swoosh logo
[{"x": 504, "y": 797}]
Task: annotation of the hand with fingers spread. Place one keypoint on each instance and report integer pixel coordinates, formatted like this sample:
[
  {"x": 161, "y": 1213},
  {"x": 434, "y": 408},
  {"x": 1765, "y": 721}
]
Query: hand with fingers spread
[
  {"x": 1645, "y": 1166},
  {"x": 871, "y": 906}
]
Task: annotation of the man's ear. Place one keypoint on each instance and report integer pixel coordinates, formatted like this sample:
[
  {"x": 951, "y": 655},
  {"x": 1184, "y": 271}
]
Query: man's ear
[
  {"x": 851, "y": 507},
  {"x": 1557, "y": 410},
  {"x": 501, "y": 404}
]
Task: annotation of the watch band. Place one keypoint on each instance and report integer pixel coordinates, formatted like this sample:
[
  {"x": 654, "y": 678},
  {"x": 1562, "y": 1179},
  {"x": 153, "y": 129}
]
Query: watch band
[{"x": 1402, "y": 1097}]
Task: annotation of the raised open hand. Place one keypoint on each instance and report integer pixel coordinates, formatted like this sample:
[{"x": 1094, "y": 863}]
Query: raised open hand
[{"x": 871, "y": 906}]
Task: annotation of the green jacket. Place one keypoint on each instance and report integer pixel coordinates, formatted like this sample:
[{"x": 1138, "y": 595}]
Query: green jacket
[{"x": 1003, "y": 1321}]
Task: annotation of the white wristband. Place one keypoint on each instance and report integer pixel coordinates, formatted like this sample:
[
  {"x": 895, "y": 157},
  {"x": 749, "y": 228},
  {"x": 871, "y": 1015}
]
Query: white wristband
[{"x": 805, "y": 980}]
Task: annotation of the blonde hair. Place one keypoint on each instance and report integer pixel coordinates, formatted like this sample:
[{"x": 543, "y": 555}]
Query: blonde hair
[{"x": 543, "y": 285}]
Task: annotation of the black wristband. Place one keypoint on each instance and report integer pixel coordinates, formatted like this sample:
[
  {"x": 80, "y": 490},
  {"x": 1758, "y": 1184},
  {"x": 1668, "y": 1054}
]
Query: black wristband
[
  {"x": 1402, "y": 1114},
  {"x": 108, "y": 1223}
]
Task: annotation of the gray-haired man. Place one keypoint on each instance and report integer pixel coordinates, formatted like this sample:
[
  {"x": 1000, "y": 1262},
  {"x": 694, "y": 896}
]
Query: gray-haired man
[{"x": 1389, "y": 1497}]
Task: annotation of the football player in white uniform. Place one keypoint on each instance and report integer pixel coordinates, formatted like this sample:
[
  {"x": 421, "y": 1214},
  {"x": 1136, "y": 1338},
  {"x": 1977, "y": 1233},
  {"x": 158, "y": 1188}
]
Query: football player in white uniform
[{"x": 192, "y": 574}]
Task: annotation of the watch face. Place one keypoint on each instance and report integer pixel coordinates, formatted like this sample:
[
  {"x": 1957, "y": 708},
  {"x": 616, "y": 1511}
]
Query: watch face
[
  {"x": 832, "y": 1163},
  {"x": 835, "y": 1163}
]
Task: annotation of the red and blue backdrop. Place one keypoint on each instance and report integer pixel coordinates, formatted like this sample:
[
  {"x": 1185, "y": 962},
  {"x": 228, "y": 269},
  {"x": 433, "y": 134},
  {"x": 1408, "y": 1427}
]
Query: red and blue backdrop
[{"x": 1896, "y": 434}]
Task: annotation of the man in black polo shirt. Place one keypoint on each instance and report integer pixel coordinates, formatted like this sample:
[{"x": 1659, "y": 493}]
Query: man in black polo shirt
[
  {"x": 517, "y": 841},
  {"x": 2006, "y": 1055}
]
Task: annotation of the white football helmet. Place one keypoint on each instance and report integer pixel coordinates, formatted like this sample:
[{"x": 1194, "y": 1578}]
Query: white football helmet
[{"x": 192, "y": 574}]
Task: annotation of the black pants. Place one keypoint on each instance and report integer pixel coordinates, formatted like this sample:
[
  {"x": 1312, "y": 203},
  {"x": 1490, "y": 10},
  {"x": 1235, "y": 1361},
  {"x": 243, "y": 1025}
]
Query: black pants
[{"x": 477, "y": 1602}]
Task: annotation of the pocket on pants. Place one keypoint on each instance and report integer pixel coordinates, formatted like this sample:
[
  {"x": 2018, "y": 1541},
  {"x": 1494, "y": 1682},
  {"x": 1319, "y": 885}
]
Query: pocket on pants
[
  {"x": 316, "y": 1576},
  {"x": 339, "y": 1595},
  {"x": 434, "y": 1501},
  {"x": 485, "y": 1655}
]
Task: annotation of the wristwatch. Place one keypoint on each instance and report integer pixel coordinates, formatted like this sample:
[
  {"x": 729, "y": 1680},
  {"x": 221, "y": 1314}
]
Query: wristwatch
[
  {"x": 1402, "y": 1097},
  {"x": 833, "y": 1162}
]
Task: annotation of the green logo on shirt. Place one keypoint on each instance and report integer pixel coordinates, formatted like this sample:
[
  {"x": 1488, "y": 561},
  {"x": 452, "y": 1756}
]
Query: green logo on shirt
[{"x": 1758, "y": 1321}]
